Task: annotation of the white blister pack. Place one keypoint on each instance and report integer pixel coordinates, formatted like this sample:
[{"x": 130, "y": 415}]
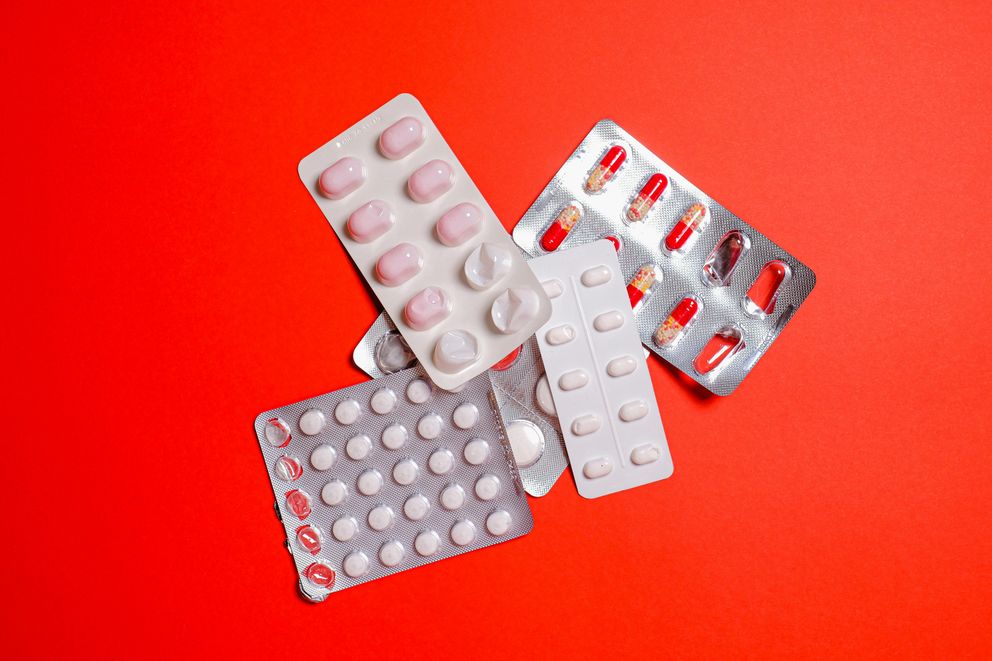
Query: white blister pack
[
  {"x": 426, "y": 241},
  {"x": 597, "y": 373},
  {"x": 389, "y": 475}
]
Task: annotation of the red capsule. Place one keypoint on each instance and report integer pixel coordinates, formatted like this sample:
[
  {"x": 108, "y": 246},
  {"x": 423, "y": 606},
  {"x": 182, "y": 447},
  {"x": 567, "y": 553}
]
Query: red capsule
[
  {"x": 672, "y": 329},
  {"x": 508, "y": 361},
  {"x": 650, "y": 192},
  {"x": 639, "y": 286},
  {"x": 309, "y": 538},
  {"x": 320, "y": 574},
  {"x": 558, "y": 230},
  {"x": 760, "y": 299},
  {"x": 607, "y": 167},
  {"x": 719, "y": 266},
  {"x": 719, "y": 350},
  {"x": 691, "y": 224},
  {"x": 298, "y": 502}
]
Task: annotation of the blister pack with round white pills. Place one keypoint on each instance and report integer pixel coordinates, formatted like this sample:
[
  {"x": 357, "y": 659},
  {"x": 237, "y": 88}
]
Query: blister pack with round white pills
[
  {"x": 389, "y": 475},
  {"x": 522, "y": 395},
  {"x": 597, "y": 374},
  {"x": 426, "y": 241}
]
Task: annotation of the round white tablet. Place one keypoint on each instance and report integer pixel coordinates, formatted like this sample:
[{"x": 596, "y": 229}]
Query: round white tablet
[
  {"x": 344, "y": 528},
  {"x": 429, "y": 426},
  {"x": 405, "y": 472},
  {"x": 476, "y": 451},
  {"x": 323, "y": 457},
  {"x": 441, "y": 462},
  {"x": 452, "y": 497},
  {"x": 427, "y": 543},
  {"x": 358, "y": 447},
  {"x": 526, "y": 441},
  {"x": 487, "y": 487},
  {"x": 391, "y": 553},
  {"x": 465, "y": 416},
  {"x": 498, "y": 522},
  {"x": 312, "y": 421},
  {"x": 334, "y": 492},
  {"x": 542, "y": 394},
  {"x": 380, "y": 518},
  {"x": 416, "y": 507},
  {"x": 394, "y": 436},
  {"x": 369, "y": 482},
  {"x": 383, "y": 401},
  {"x": 356, "y": 564},
  {"x": 346, "y": 412},
  {"x": 463, "y": 532},
  {"x": 418, "y": 391}
]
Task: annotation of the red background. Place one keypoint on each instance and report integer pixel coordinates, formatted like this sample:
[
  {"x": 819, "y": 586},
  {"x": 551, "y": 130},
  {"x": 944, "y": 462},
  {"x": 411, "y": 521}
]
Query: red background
[{"x": 169, "y": 277}]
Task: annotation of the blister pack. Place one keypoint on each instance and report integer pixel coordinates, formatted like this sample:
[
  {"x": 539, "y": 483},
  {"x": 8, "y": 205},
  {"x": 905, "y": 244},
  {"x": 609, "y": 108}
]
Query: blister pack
[
  {"x": 426, "y": 241},
  {"x": 710, "y": 293},
  {"x": 599, "y": 380},
  {"x": 522, "y": 395},
  {"x": 389, "y": 475}
]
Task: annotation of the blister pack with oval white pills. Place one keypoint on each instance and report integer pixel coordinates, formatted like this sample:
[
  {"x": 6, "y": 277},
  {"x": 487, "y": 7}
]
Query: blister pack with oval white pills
[
  {"x": 522, "y": 395},
  {"x": 598, "y": 377},
  {"x": 389, "y": 475},
  {"x": 710, "y": 292},
  {"x": 426, "y": 241}
]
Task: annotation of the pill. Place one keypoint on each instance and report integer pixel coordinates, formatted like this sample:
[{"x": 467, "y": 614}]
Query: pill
[
  {"x": 476, "y": 451},
  {"x": 347, "y": 411},
  {"x": 498, "y": 522},
  {"x": 597, "y": 467},
  {"x": 644, "y": 454},
  {"x": 356, "y": 564},
  {"x": 416, "y": 507},
  {"x": 634, "y": 410},
  {"x": 455, "y": 350},
  {"x": 323, "y": 457},
  {"x": 441, "y": 462},
  {"x": 312, "y": 422},
  {"x": 452, "y": 497},
  {"x": 719, "y": 267},
  {"x": 383, "y": 401},
  {"x": 288, "y": 469},
  {"x": 418, "y": 391},
  {"x": 487, "y": 487},
  {"x": 507, "y": 361},
  {"x": 380, "y": 518},
  {"x": 526, "y": 442},
  {"x": 608, "y": 321},
  {"x": 561, "y": 226},
  {"x": 298, "y": 503},
  {"x": 392, "y": 553},
  {"x": 617, "y": 244},
  {"x": 465, "y": 415},
  {"x": 646, "y": 197},
  {"x": 761, "y": 297},
  {"x": 341, "y": 178},
  {"x": 463, "y": 532},
  {"x": 486, "y": 265},
  {"x": 427, "y": 543},
  {"x": 320, "y": 575},
  {"x": 392, "y": 353},
  {"x": 542, "y": 395},
  {"x": 277, "y": 433},
  {"x": 586, "y": 424},
  {"x": 370, "y": 221},
  {"x": 405, "y": 472},
  {"x": 401, "y": 138},
  {"x": 596, "y": 276},
  {"x": 552, "y": 288},
  {"x": 309, "y": 539},
  {"x": 427, "y": 308},
  {"x": 681, "y": 316},
  {"x": 458, "y": 224},
  {"x": 621, "y": 366},
  {"x": 514, "y": 309},
  {"x": 430, "y": 426},
  {"x": 606, "y": 168},
  {"x": 399, "y": 264},
  {"x": 692, "y": 223},
  {"x": 718, "y": 351},
  {"x": 358, "y": 447},
  {"x": 639, "y": 287},
  {"x": 334, "y": 492},
  {"x": 369, "y": 482},
  {"x": 430, "y": 181},
  {"x": 560, "y": 335},
  {"x": 394, "y": 436},
  {"x": 573, "y": 379}
]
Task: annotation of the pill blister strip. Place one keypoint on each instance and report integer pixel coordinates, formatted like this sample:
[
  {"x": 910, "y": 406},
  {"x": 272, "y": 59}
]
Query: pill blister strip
[
  {"x": 443, "y": 266},
  {"x": 681, "y": 276},
  {"x": 598, "y": 376},
  {"x": 381, "y": 351},
  {"x": 332, "y": 553}
]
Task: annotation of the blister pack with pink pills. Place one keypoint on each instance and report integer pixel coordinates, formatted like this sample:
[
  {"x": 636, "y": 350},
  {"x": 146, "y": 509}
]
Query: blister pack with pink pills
[
  {"x": 389, "y": 475},
  {"x": 597, "y": 373},
  {"x": 710, "y": 293},
  {"x": 522, "y": 395},
  {"x": 426, "y": 241}
]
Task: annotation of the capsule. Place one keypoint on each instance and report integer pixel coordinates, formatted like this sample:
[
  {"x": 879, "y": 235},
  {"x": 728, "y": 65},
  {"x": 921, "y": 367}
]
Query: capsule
[
  {"x": 719, "y": 350},
  {"x": 639, "y": 287},
  {"x": 690, "y": 225},
  {"x": 607, "y": 167},
  {"x": 720, "y": 265},
  {"x": 673, "y": 328},
  {"x": 649, "y": 194},
  {"x": 558, "y": 231},
  {"x": 760, "y": 298}
]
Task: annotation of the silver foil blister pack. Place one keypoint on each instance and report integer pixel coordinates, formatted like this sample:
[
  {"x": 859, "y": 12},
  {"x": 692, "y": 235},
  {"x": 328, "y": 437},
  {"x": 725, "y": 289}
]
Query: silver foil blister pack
[
  {"x": 522, "y": 396},
  {"x": 389, "y": 475},
  {"x": 710, "y": 292}
]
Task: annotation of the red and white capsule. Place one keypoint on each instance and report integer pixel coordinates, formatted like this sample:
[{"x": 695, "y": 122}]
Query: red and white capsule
[
  {"x": 639, "y": 287},
  {"x": 679, "y": 319},
  {"x": 607, "y": 167},
  {"x": 562, "y": 225},
  {"x": 692, "y": 223},
  {"x": 650, "y": 193}
]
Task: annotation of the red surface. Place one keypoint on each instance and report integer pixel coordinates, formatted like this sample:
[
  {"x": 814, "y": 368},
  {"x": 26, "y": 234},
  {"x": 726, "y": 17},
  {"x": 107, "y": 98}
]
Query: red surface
[{"x": 169, "y": 277}]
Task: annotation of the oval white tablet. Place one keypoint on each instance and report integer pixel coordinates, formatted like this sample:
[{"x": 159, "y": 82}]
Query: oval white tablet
[
  {"x": 463, "y": 532},
  {"x": 498, "y": 522},
  {"x": 586, "y": 424},
  {"x": 634, "y": 410},
  {"x": 369, "y": 482},
  {"x": 645, "y": 454},
  {"x": 391, "y": 553},
  {"x": 487, "y": 487},
  {"x": 476, "y": 451},
  {"x": 418, "y": 391},
  {"x": 358, "y": 447},
  {"x": 383, "y": 401},
  {"x": 441, "y": 462},
  {"x": 542, "y": 394},
  {"x": 416, "y": 507},
  {"x": 344, "y": 528},
  {"x": 465, "y": 416},
  {"x": 356, "y": 564},
  {"x": 380, "y": 518},
  {"x": 573, "y": 379},
  {"x": 312, "y": 421},
  {"x": 452, "y": 497},
  {"x": 552, "y": 288},
  {"x": 526, "y": 442},
  {"x": 346, "y": 412},
  {"x": 595, "y": 276},
  {"x": 560, "y": 335},
  {"x": 405, "y": 472},
  {"x": 323, "y": 457},
  {"x": 597, "y": 467},
  {"x": 608, "y": 321},
  {"x": 394, "y": 436},
  {"x": 427, "y": 543},
  {"x": 429, "y": 426},
  {"x": 621, "y": 366},
  {"x": 334, "y": 492}
]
